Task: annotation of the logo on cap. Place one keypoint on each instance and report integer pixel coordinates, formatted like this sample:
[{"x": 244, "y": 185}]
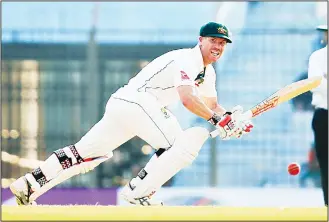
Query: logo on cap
[{"x": 221, "y": 30}]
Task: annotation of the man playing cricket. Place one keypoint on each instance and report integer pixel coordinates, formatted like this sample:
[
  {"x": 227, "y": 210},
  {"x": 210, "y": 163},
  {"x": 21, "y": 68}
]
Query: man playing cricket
[{"x": 138, "y": 109}]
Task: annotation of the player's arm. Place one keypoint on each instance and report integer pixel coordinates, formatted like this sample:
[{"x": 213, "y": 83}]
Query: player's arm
[
  {"x": 212, "y": 103},
  {"x": 191, "y": 100},
  {"x": 225, "y": 122},
  {"x": 208, "y": 92}
]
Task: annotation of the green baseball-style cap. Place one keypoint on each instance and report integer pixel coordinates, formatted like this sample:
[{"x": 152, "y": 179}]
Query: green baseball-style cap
[{"x": 213, "y": 29}]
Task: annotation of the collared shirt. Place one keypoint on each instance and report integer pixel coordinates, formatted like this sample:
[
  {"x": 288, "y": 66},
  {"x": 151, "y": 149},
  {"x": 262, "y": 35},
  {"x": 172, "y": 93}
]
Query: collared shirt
[
  {"x": 318, "y": 67},
  {"x": 164, "y": 74}
]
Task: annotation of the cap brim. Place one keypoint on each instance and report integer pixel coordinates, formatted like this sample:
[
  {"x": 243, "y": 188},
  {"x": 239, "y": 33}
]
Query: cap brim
[
  {"x": 322, "y": 27},
  {"x": 220, "y": 36}
]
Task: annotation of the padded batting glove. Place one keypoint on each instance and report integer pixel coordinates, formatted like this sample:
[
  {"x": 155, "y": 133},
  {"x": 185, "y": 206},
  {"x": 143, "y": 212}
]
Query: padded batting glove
[{"x": 231, "y": 124}]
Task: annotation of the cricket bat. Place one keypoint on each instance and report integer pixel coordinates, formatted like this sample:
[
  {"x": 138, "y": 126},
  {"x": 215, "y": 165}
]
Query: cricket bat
[{"x": 284, "y": 94}]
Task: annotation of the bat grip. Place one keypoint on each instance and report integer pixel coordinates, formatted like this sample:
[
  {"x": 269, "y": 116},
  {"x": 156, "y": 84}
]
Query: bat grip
[
  {"x": 214, "y": 133},
  {"x": 245, "y": 116}
]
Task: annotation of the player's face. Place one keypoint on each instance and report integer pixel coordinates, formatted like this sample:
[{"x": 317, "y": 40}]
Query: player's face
[{"x": 212, "y": 48}]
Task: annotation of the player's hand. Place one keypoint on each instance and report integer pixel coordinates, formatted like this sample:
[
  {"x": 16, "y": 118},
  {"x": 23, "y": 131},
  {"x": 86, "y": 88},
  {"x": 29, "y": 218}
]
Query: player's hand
[
  {"x": 226, "y": 125},
  {"x": 231, "y": 124},
  {"x": 244, "y": 125}
]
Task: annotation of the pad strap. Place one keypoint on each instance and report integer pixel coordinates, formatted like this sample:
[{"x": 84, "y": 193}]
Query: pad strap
[
  {"x": 66, "y": 161},
  {"x": 160, "y": 151},
  {"x": 39, "y": 176},
  {"x": 76, "y": 154},
  {"x": 214, "y": 119},
  {"x": 63, "y": 159}
]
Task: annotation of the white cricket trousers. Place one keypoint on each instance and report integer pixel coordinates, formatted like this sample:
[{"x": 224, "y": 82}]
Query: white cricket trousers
[{"x": 124, "y": 119}]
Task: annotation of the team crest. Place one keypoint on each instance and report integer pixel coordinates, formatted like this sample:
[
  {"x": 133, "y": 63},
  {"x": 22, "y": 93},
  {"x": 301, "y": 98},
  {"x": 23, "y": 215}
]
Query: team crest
[
  {"x": 221, "y": 30},
  {"x": 199, "y": 79}
]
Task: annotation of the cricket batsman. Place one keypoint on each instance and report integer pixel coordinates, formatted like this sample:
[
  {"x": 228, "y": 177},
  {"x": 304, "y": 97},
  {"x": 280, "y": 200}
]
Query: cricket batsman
[{"x": 139, "y": 109}]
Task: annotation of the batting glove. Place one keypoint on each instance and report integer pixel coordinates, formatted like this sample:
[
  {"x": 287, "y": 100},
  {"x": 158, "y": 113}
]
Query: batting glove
[
  {"x": 231, "y": 124},
  {"x": 243, "y": 126}
]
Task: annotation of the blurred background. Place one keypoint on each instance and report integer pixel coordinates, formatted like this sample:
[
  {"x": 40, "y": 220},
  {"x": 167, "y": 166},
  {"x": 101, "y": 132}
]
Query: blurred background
[{"x": 61, "y": 61}]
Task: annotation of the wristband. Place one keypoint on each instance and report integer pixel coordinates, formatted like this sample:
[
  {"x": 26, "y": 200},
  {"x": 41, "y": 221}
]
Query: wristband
[{"x": 214, "y": 119}]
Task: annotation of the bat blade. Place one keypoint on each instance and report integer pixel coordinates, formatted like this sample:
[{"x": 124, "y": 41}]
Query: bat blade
[{"x": 284, "y": 94}]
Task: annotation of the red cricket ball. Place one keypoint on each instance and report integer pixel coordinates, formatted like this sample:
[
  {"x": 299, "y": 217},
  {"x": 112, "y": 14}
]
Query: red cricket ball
[{"x": 294, "y": 169}]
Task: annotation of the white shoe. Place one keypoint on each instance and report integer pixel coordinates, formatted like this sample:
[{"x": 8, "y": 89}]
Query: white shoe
[
  {"x": 141, "y": 201},
  {"x": 21, "y": 188}
]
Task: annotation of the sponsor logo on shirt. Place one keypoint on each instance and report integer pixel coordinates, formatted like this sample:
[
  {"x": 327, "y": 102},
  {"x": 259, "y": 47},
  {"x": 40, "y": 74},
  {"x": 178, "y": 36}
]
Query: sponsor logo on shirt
[{"x": 184, "y": 76}]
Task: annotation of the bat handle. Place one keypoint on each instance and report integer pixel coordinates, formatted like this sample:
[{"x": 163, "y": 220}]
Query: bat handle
[
  {"x": 214, "y": 133},
  {"x": 245, "y": 116}
]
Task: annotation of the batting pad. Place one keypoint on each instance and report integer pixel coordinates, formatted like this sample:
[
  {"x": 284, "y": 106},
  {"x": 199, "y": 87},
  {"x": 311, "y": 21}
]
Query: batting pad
[{"x": 164, "y": 213}]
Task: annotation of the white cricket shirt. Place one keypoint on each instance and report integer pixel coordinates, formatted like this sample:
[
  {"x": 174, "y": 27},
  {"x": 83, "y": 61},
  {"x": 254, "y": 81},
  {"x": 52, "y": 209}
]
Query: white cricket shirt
[
  {"x": 164, "y": 74},
  {"x": 318, "y": 67}
]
